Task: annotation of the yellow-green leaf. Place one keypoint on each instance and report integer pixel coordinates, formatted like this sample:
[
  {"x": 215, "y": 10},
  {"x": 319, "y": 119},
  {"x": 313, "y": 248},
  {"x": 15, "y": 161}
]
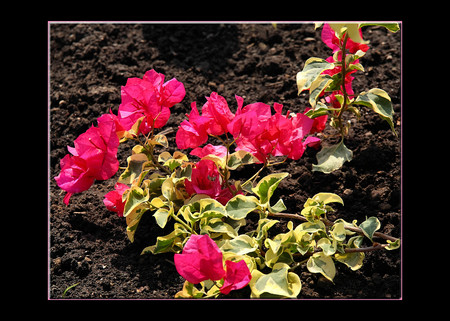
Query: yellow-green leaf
[
  {"x": 280, "y": 283},
  {"x": 379, "y": 101},
  {"x": 312, "y": 69},
  {"x": 321, "y": 263}
]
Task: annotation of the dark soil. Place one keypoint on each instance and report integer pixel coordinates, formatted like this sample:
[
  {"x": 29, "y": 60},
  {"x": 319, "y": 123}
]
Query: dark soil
[{"x": 89, "y": 63}]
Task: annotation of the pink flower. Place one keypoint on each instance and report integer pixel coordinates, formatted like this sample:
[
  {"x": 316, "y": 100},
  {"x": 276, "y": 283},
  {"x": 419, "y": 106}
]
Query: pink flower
[
  {"x": 192, "y": 133},
  {"x": 216, "y": 109},
  {"x": 113, "y": 199},
  {"x": 220, "y": 151},
  {"x": 333, "y": 42},
  {"x": 94, "y": 157},
  {"x": 319, "y": 123},
  {"x": 74, "y": 176},
  {"x": 263, "y": 134},
  {"x": 106, "y": 118},
  {"x": 201, "y": 260},
  {"x": 98, "y": 147},
  {"x": 205, "y": 179},
  {"x": 237, "y": 276},
  {"x": 149, "y": 97}
]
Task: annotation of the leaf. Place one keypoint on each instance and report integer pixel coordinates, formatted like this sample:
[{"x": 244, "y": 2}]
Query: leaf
[
  {"x": 162, "y": 215},
  {"x": 239, "y": 206},
  {"x": 159, "y": 140},
  {"x": 134, "y": 168},
  {"x": 172, "y": 242},
  {"x": 393, "y": 27},
  {"x": 338, "y": 232},
  {"x": 240, "y": 157},
  {"x": 351, "y": 28},
  {"x": 321, "y": 263},
  {"x": 393, "y": 245},
  {"x": 317, "y": 87},
  {"x": 189, "y": 291},
  {"x": 135, "y": 197},
  {"x": 326, "y": 198},
  {"x": 332, "y": 158},
  {"x": 267, "y": 185},
  {"x": 280, "y": 283},
  {"x": 379, "y": 101},
  {"x": 240, "y": 245},
  {"x": 369, "y": 226},
  {"x": 353, "y": 260},
  {"x": 311, "y": 71}
]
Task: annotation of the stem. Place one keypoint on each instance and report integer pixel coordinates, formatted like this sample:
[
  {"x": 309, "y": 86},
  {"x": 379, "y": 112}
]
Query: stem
[
  {"x": 344, "y": 91},
  {"x": 251, "y": 179}
]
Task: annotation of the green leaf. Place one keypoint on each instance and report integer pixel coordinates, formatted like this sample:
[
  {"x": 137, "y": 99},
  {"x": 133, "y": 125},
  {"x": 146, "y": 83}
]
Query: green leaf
[
  {"x": 369, "y": 226},
  {"x": 280, "y": 283},
  {"x": 215, "y": 227},
  {"x": 317, "y": 87},
  {"x": 338, "y": 232},
  {"x": 393, "y": 27},
  {"x": 379, "y": 101},
  {"x": 321, "y": 263},
  {"x": 263, "y": 227},
  {"x": 239, "y": 206},
  {"x": 172, "y": 242},
  {"x": 135, "y": 197},
  {"x": 134, "y": 168},
  {"x": 353, "y": 260},
  {"x": 393, "y": 245},
  {"x": 162, "y": 215},
  {"x": 240, "y": 245},
  {"x": 327, "y": 198},
  {"x": 332, "y": 158},
  {"x": 239, "y": 158},
  {"x": 311, "y": 71},
  {"x": 327, "y": 247},
  {"x": 267, "y": 185}
]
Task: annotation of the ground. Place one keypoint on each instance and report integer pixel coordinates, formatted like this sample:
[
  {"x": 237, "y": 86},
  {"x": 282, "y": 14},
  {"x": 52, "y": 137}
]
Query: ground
[{"x": 88, "y": 64}]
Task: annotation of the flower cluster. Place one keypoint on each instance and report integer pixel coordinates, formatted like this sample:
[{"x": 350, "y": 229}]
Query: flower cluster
[
  {"x": 202, "y": 260},
  {"x": 94, "y": 156},
  {"x": 253, "y": 128},
  {"x": 149, "y": 98}
]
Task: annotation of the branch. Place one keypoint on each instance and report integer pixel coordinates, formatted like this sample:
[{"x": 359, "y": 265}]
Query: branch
[{"x": 330, "y": 223}]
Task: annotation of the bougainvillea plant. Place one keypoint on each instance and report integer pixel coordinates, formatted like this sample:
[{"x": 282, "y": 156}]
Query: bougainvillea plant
[
  {"x": 204, "y": 201},
  {"x": 332, "y": 78}
]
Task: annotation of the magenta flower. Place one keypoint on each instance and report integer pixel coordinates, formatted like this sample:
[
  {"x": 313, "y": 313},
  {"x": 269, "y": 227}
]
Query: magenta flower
[
  {"x": 263, "y": 134},
  {"x": 74, "y": 176},
  {"x": 217, "y": 110},
  {"x": 319, "y": 123},
  {"x": 201, "y": 260},
  {"x": 113, "y": 199},
  {"x": 93, "y": 157},
  {"x": 220, "y": 151},
  {"x": 237, "y": 276},
  {"x": 149, "y": 97},
  {"x": 192, "y": 133},
  {"x": 205, "y": 179},
  {"x": 333, "y": 42}
]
